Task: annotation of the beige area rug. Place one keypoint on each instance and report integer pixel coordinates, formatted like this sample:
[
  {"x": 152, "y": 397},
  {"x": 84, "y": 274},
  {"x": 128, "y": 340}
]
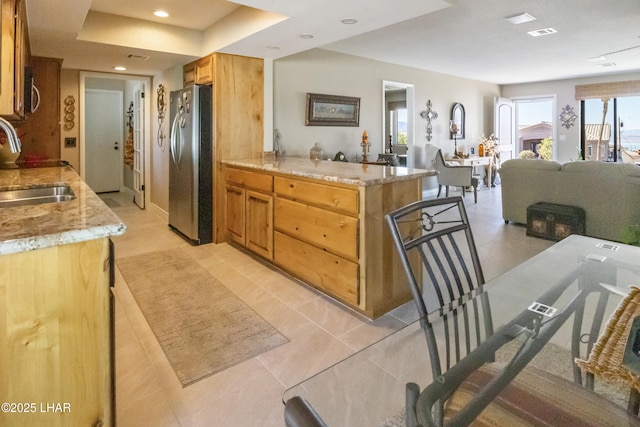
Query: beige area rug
[
  {"x": 111, "y": 202},
  {"x": 201, "y": 325}
]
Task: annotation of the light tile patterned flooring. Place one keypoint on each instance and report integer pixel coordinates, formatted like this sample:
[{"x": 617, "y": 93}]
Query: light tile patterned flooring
[{"x": 321, "y": 331}]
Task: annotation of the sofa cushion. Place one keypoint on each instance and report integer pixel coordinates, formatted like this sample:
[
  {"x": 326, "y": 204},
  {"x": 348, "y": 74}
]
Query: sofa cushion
[
  {"x": 602, "y": 168},
  {"x": 532, "y": 164}
]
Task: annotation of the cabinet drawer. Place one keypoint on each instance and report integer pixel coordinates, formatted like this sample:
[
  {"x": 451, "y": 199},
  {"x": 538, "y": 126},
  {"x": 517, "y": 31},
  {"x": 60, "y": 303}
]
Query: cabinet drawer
[
  {"x": 255, "y": 180},
  {"x": 343, "y": 199},
  {"x": 330, "y": 273},
  {"x": 332, "y": 231}
]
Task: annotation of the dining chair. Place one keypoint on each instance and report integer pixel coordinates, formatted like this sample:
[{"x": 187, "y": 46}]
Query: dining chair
[
  {"x": 456, "y": 176},
  {"x": 438, "y": 252},
  {"x": 299, "y": 413}
]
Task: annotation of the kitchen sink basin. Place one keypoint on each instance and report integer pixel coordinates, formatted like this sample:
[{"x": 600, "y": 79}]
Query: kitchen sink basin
[{"x": 48, "y": 193}]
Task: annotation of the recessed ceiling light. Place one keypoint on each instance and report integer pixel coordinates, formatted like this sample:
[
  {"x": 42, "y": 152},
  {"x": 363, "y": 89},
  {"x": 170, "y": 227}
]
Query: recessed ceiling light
[
  {"x": 120, "y": 68},
  {"x": 542, "y": 32},
  {"x": 306, "y": 36},
  {"x": 596, "y": 58},
  {"x": 273, "y": 47},
  {"x": 521, "y": 18},
  {"x": 348, "y": 21},
  {"x": 161, "y": 14}
]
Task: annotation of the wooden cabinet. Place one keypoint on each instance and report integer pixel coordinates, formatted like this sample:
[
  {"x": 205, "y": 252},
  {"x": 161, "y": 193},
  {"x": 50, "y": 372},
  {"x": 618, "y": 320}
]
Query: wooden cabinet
[
  {"x": 249, "y": 210},
  {"x": 331, "y": 235},
  {"x": 238, "y": 110},
  {"x": 235, "y": 213},
  {"x": 41, "y": 129},
  {"x": 56, "y": 335},
  {"x": 317, "y": 235},
  {"x": 15, "y": 56},
  {"x": 198, "y": 72}
]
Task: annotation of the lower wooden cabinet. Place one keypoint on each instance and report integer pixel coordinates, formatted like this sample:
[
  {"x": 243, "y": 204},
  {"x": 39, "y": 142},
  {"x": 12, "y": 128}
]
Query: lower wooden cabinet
[
  {"x": 235, "y": 213},
  {"x": 259, "y": 223},
  {"x": 249, "y": 213},
  {"x": 330, "y": 235},
  {"x": 330, "y": 273},
  {"x": 56, "y": 336}
]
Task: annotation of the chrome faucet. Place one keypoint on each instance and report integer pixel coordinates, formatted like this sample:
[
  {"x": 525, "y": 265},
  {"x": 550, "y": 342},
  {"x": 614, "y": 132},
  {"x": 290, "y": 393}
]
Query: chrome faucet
[{"x": 12, "y": 136}]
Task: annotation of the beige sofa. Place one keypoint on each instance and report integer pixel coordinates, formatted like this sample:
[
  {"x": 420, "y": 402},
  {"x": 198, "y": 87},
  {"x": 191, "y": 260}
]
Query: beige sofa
[{"x": 608, "y": 192}]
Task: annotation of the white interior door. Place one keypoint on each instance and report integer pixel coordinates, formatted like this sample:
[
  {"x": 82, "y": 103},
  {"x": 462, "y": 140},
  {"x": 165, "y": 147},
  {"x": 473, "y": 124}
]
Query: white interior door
[
  {"x": 138, "y": 146},
  {"x": 505, "y": 127},
  {"x": 104, "y": 130}
]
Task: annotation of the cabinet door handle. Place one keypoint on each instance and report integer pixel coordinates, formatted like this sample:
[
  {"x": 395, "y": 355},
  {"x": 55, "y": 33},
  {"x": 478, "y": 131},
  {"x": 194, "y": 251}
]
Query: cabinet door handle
[{"x": 36, "y": 92}]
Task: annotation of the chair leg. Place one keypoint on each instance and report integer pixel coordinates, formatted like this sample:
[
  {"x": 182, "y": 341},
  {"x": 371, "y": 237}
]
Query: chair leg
[
  {"x": 411, "y": 396},
  {"x": 464, "y": 191},
  {"x": 475, "y": 194},
  {"x": 634, "y": 401},
  {"x": 447, "y": 190},
  {"x": 439, "y": 190}
]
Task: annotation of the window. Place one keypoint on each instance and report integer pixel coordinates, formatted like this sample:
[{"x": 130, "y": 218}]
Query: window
[{"x": 610, "y": 126}]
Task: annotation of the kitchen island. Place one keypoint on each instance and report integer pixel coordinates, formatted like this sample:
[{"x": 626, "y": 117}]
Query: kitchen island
[
  {"x": 323, "y": 223},
  {"x": 56, "y": 304}
]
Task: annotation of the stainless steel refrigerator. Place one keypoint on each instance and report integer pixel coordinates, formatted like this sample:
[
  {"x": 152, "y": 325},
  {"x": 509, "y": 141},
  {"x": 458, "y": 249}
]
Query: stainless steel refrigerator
[{"x": 191, "y": 163}]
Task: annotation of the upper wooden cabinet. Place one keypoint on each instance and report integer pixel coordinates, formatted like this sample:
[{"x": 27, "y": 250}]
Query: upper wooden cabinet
[
  {"x": 14, "y": 54},
  {"x": 198, "y": 72},
  {"x": 41, "y": 128}
]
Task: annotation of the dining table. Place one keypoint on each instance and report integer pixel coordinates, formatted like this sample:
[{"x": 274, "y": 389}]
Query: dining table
[{"x": 369, "y": 387}]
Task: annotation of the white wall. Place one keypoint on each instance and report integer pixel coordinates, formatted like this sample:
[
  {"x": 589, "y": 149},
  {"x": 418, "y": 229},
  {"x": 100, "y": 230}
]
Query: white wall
[
  {"x": 326, "y": 72},
  {"x": 568, "y": 139},
  {"x": 172, "y": 80}
]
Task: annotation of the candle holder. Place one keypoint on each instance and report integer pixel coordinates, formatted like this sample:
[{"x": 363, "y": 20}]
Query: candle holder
[
  {"x": 365, "y": 146},
  {"x": 453, "y": 127}
]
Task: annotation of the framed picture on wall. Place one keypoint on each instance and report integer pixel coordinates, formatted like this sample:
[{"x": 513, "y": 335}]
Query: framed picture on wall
[{"x": 332, "y": 110}]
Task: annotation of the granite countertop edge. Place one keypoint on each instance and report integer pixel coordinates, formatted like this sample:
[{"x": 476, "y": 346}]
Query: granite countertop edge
[
  {"x": 332, "y": 171},
  {"x": 27, "y": 228}
]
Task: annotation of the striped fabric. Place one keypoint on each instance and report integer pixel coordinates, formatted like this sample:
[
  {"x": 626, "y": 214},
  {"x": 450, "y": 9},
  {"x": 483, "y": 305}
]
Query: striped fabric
[{"x": 537, "y": 398}]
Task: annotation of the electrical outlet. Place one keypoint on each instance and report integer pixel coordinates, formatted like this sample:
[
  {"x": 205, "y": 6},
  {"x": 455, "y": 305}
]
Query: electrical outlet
[{"x": 69, "y": 142}]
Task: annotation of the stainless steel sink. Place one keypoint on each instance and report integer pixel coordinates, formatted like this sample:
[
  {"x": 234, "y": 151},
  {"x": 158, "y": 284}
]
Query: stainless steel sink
[{"x": 48, "y": 193}]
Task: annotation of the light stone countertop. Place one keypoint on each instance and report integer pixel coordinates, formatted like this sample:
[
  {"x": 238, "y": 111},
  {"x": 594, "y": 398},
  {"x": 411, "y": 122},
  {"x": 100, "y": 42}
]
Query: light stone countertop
[
  {"x": 25, "y": 228},
  {"x": 326, "y": 170}
]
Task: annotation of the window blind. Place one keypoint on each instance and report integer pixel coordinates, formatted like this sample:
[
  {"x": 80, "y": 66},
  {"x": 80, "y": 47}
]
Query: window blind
[{"x": 608, "y": 90}]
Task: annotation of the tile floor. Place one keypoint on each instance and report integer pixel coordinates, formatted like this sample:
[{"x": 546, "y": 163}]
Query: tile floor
[{"x": 321, "y": 331}]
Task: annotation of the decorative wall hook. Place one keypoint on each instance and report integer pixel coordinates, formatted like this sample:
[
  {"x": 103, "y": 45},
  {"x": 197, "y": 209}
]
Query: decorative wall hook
[
  {"x": 130, "y": 115},
  {"x": 162, "y": 108}
]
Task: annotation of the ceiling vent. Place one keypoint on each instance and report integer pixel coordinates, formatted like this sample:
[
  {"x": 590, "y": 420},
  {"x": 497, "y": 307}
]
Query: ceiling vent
[
  {"x": 521, "y": 18},
  {"x": 139, "y": 57},
  {"x": 542, "y": 32}
]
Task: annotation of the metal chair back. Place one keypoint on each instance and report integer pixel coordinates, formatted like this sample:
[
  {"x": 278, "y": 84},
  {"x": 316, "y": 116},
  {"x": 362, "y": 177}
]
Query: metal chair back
[{"x": 439, "y": 256}]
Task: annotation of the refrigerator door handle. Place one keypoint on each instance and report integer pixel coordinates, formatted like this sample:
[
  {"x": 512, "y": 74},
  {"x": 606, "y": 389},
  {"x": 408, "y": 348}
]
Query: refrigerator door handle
[{"x": 174, "y": 142}]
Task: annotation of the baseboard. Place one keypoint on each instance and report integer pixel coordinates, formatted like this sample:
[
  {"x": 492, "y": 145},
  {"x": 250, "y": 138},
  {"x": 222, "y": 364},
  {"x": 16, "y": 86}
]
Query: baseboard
[{"x": 158, "y": 210}]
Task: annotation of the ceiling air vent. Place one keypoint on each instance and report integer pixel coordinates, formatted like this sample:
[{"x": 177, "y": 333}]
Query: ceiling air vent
[
  {"x": 542, "y": 32},
  {"x": 140, "y": 57}
]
